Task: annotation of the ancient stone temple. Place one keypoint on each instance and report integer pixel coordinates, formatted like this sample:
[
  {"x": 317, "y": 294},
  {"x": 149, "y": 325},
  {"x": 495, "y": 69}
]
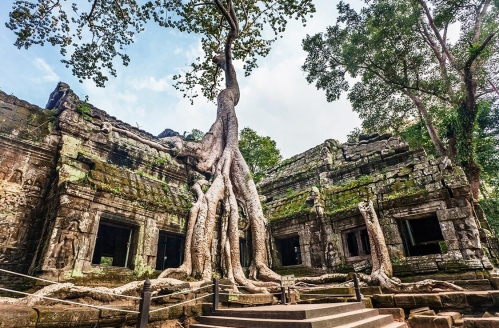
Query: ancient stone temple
[
  {"x": 84, "y": 196},
  {"x": 424, "y": 208}
]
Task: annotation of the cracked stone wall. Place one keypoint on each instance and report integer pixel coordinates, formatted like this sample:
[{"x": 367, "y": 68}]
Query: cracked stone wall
[
  {"x": 65, "y": 169},
  {"x": 314, "y": 195},
  {"x": 27, "y": 167}
]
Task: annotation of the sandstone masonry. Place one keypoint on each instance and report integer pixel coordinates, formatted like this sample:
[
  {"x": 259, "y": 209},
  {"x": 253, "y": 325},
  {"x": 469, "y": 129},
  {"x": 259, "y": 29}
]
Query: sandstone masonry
[{"x": 87, "y": 198}]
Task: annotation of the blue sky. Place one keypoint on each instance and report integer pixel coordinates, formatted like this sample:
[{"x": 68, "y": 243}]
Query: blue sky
[{"x": 276, "y": 100}]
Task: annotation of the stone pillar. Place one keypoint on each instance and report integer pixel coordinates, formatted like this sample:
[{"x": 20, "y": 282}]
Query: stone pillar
[{"x": 304, "y": 235}]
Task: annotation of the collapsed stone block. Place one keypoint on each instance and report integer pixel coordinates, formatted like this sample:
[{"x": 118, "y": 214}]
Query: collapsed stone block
[{"x": 397, "y": 313}]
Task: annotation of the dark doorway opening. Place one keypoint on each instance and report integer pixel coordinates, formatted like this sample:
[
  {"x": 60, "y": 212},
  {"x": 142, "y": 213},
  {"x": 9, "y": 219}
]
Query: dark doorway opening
[
  {"x": 421, "y": 236},
  {"x": 356, "y": 243},
  {"x": 245, "y": 252},
  {"x": 112, "y": 246},
  {"x": 170, "y": 251},
  {"x": 290, "y": 250}
]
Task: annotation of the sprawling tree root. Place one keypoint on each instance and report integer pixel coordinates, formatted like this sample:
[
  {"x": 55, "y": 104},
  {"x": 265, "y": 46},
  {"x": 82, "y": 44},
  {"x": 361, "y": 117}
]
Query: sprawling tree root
[
  {"x": 324, "y": 279},
  {"x": 101, "y": 295},
  {"x": 381, "y": 266}
]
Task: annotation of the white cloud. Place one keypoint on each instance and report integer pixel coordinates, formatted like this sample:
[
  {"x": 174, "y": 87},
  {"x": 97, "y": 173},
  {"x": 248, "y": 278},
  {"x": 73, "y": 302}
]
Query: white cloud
[
  {"x": 151, "y": 83},
  {"x": 50, "y": 75},
  {"x": 127, "y": 97}
]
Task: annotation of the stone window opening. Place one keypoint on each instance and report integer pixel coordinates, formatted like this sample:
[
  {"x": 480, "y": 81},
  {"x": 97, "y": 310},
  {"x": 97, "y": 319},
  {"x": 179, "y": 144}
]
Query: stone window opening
[
  {"x": 170, "y": 250},
  {"x": 421, "y": 236},
  {"x": 356, "y": 243},
  {"x": 289, "y": 249},
  {"x": 113, "y": 245}
]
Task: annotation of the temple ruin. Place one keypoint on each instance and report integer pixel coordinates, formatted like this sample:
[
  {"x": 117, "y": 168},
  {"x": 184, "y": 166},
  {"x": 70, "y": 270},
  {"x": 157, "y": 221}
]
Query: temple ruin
[{"x": 87, "y": 198}]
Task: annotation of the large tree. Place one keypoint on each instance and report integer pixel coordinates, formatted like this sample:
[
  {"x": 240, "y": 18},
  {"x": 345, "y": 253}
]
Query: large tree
[
  {"x": 229, "y": 30},
  {"x": 407, "y": 67},
  {"x": 259, "y": 152}
]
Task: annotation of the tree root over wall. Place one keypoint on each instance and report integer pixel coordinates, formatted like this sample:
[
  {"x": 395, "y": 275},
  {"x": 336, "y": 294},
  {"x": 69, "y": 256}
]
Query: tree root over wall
[{"x": 382, "y": 271}]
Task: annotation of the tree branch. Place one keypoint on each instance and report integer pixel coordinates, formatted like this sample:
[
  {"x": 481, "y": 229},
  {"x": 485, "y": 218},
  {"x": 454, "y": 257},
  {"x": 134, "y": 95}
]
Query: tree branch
[
  {"x": 89, "y": 16},
  {"x": 445, "y": 49},
  {"x": 400, "y": 85},
  {"x": 478, "y": 21},
  {"x": 469, "y": 80}
]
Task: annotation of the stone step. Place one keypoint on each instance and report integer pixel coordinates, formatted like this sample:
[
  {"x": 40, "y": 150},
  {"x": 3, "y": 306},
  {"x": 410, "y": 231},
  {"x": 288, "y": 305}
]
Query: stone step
[
  {"x": 492, "y": 322},
  {"x": 390, "y": 325},
  {"x": 396, "y": 325},
  {"x": 291, "y": 312},
  {"x": 329, "y": 290},
  {"x": 373, "y": 322},
  {"x": 475, "y": 284},
  {"x": 321, "y": 322},
  {"x": 200, "y": 325}
]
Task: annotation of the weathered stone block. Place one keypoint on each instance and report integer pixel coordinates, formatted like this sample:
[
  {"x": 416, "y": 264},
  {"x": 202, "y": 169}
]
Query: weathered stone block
[
  {"x": 18, "y": 316},
  {"x": 475, "y": 284},
  {"x": 494, "y": 294},
  {"x": 455, "y": 300},
  {"x": 442, "y": 322},
  {"x": 421, "y": 321},
  {"x": 383, "y": 300},
  {"x": 67, "y": 317},
  {"x": 453, "y": 315},
  {"x": 479, "y": 299},
  {"x": 405, "y": 301},
  {"x": 430, "y": 300},
  {"x": 481, "y": 322},
  {"x": 397, "y": 313},
  {"x": 370, "y": 290}
]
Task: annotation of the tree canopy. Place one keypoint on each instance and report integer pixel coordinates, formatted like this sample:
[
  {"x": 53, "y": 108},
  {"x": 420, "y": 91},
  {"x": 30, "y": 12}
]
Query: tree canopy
[
  {"x": 259, "y": 152},
  {"x": 92, "y": 35},
  {"x": 407, "y": 68}
]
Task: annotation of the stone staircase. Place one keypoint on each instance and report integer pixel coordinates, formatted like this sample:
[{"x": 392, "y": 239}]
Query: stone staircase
[{"x": 345, "y": 315}]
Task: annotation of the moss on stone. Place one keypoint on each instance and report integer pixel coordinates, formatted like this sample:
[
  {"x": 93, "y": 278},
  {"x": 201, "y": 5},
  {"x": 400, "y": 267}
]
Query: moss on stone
[
  {"x": 142, "y": 270},
  {"x": 292, "y": 206}
]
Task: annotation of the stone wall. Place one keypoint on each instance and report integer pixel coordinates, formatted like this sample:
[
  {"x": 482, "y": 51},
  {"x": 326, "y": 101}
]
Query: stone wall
[
  {"x": 71, "y": 172},
  {"x": 27, "y": 168},
  {"x": 314, "y": 196},
  {"x": 66, "y": 169}
]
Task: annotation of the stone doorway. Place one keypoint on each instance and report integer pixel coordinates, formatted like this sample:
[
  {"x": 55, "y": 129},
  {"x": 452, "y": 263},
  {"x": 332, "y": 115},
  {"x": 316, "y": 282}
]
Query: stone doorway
[
  {"x": 289, "y": 249},
  {"x": 170, "y": 251}
]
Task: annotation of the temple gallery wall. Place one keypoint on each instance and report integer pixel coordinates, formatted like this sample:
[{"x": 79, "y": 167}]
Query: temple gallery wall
[{"x": 84, "y": 196}]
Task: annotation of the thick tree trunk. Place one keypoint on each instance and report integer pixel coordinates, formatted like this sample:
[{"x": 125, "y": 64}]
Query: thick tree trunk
[
  {"x": 439, "y": 145},
  {"x": 218, "y": 155},
  {"x": 466, "y": 146}
]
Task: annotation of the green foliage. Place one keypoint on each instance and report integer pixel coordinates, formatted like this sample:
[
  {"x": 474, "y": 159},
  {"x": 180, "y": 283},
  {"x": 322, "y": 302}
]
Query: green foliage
[
  {"x": 443, "y": 247},
  {"x": 159, "y": 161},
  {"x": 417, "y": 137},
  {"x": 487, "y": 150},
  {"x": 353, "y": 136},
  {"x": 84, "y": 109},
  {"x": 196, "y": 134},
  {"x": 259, "y": 152},
  {"x": 187, "y": 200},
  {"x": 405, "y": 74},
  {"x": 93, "y": 34},
  {"x": 487, "y": 140}
]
